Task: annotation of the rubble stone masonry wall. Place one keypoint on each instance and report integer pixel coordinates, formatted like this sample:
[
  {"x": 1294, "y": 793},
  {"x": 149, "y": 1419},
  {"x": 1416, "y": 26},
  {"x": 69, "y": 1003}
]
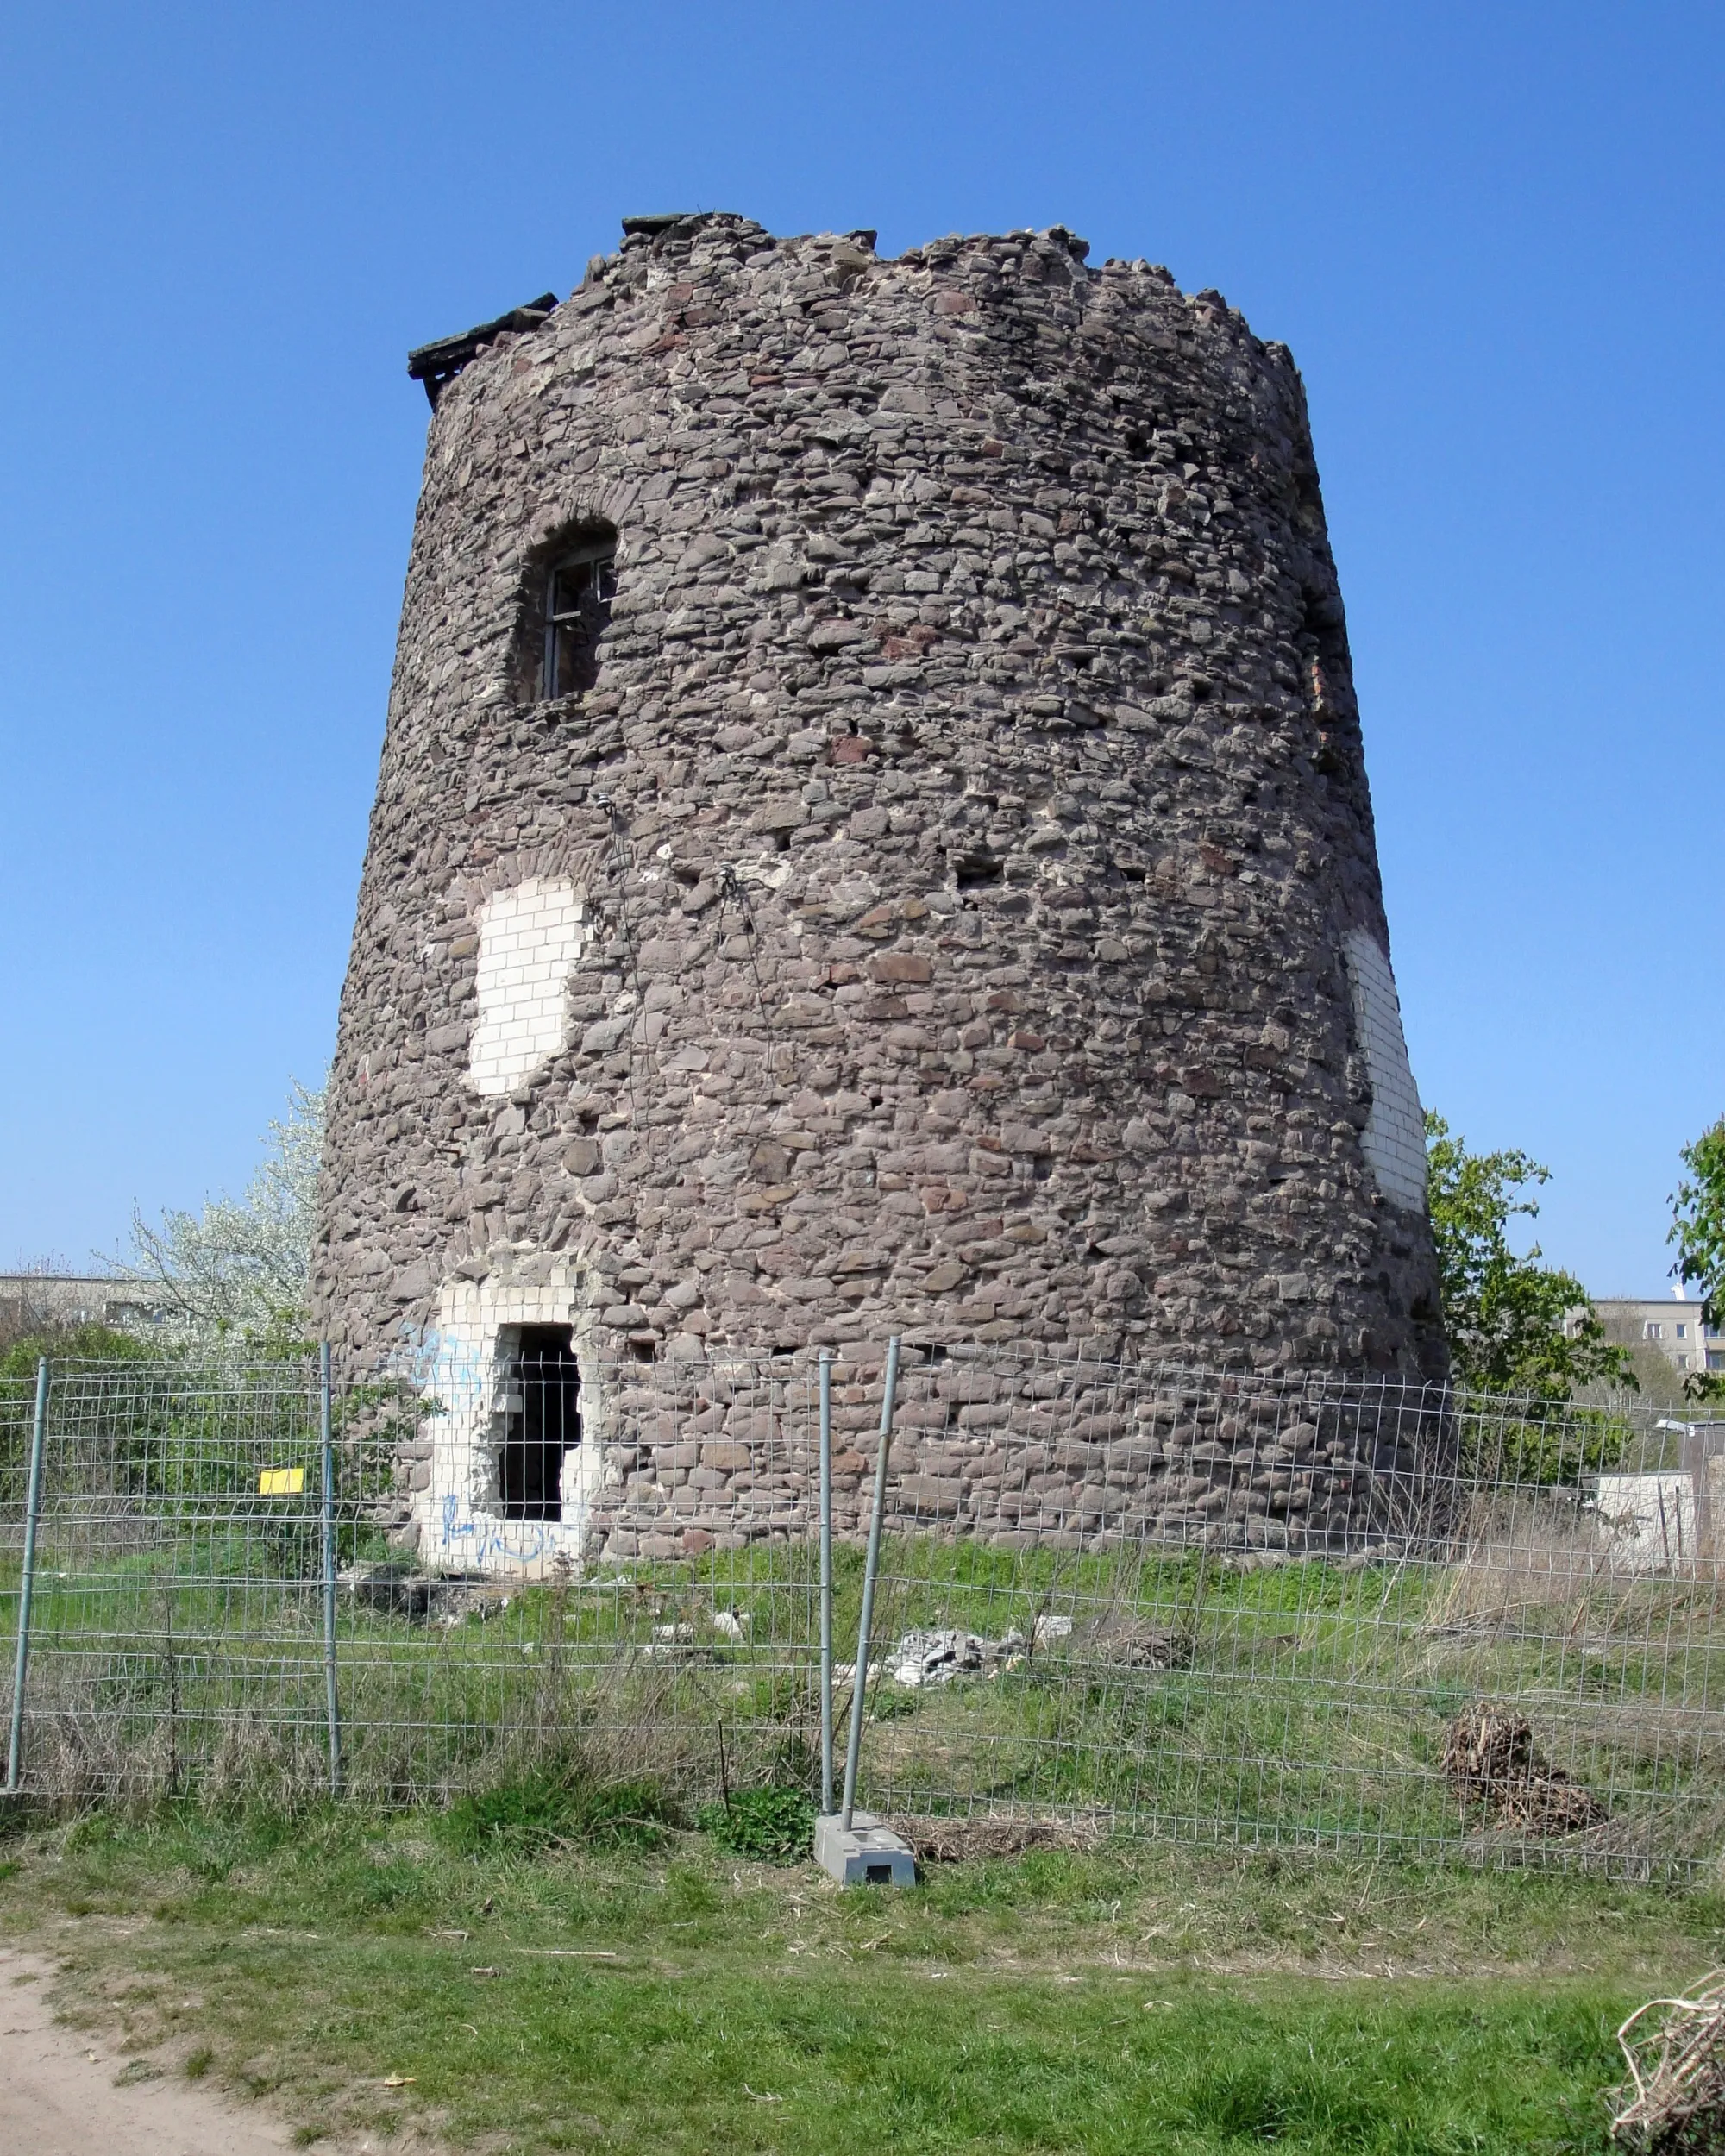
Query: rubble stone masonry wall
[{"x": 953, "y": 908}]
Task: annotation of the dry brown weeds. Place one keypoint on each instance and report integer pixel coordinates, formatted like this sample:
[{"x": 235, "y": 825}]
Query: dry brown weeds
[
  {"x": 1489, "y": 1760},
  {"x": 1673, "y": 2103},
  {"x": 960, "y": 1840}
]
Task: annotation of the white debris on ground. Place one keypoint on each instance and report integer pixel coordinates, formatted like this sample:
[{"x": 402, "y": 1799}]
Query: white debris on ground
[
  {"x": 674, "y": 1643},
  {"x": 936, "y": 1657}
]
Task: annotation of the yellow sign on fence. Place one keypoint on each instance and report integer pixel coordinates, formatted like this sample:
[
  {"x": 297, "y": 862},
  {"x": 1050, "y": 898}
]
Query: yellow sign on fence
[{"x": 281, "y": 1482}]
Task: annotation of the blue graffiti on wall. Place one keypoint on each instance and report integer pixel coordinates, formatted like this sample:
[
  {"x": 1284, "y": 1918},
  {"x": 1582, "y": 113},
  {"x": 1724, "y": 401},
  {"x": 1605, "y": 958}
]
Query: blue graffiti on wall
[
  {"x": 481, "y": 1541},
  {"x": 453, "y": 1376}
]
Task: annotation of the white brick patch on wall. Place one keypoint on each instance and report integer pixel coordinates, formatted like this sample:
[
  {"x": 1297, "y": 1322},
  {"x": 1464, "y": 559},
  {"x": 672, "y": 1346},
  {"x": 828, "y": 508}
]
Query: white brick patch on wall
[
  {"x": 529, "y": 939},
  {"x": 1394, "y": 1140}
]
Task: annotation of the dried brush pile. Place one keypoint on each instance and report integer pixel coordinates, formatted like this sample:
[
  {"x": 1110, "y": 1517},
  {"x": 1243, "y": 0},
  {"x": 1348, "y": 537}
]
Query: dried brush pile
[
  {"x": 1492, "y": 1761},
  {"x": 963, "y": 1840},
  {"x": 1673, "y": 2103}
]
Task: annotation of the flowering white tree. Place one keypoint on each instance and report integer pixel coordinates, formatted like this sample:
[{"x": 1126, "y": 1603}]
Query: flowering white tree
[{"x": 237, "y": 1274}]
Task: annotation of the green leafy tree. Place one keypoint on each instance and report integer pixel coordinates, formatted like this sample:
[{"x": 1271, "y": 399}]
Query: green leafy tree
[
  {"x": 1698, "y": 1231},
  {"x": 1516, "y": 1325},
  {"x": 1698, "y": 1217},
  {"x": 81, "y": 1343}
]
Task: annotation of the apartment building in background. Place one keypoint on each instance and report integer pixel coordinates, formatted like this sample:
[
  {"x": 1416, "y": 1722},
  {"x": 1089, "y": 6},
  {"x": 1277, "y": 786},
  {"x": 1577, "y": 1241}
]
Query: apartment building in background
[
  {"x": 1672, "y": 1324},
  {"x": 33, "y": 1298}
]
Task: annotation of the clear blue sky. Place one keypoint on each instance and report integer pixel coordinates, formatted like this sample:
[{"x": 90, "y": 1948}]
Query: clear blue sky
[{"x": 1490, "y": 234}]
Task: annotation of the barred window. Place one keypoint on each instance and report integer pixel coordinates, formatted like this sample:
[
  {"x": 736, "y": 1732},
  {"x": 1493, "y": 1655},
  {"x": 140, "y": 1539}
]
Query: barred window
[
  {"x": 540, "y": 1394},
  {"x": 578, "y": 597}
]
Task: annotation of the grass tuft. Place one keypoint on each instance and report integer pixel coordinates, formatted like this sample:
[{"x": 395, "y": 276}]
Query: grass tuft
[
  {"x": 773, "y": 1825},
  {"x": 549, "y": 1807}
]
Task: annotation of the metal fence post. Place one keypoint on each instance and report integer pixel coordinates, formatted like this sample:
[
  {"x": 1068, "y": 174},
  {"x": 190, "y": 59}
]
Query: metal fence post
[
  {"x": 33, "y": 1510},
  {"x": 333, "y": 1703},
  {"x": 825, "y": 1580},
  {"x": 859, "y": 1682}
]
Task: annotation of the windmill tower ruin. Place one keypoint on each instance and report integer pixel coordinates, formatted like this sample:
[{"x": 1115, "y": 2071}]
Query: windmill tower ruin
[{"x": 872, "y": 835}]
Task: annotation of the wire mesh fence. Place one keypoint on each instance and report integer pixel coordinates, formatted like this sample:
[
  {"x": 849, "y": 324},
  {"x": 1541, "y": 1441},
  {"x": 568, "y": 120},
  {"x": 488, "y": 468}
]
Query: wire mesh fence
[{"x": 1333, "y": 1610}]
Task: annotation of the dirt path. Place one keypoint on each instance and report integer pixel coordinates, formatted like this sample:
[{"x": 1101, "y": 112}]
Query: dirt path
[{"x": 58, "y": 2095}]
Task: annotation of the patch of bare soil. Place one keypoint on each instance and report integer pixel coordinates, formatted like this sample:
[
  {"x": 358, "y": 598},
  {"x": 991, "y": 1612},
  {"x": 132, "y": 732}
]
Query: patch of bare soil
[{"x": 64, "y": 2094}]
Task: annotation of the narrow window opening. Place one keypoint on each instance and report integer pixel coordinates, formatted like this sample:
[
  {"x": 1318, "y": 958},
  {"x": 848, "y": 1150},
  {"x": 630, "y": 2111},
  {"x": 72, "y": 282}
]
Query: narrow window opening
[
  {"x": 975, "y": 872},
  {"x": 541, "y": 1423},
  {"x": 579, "y": 591}
]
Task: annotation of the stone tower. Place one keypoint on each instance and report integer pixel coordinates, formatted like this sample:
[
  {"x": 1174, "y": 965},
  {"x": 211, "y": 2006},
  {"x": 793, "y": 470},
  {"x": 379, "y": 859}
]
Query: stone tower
[{"x": 872, "y": 835}]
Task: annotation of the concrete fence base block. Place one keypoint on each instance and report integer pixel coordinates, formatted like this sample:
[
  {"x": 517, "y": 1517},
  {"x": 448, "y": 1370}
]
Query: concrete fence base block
[{"x": 868, "y": 1854}]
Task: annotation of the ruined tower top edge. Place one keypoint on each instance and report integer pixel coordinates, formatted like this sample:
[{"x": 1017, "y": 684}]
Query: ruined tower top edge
[{"x": 665, "y": 234}]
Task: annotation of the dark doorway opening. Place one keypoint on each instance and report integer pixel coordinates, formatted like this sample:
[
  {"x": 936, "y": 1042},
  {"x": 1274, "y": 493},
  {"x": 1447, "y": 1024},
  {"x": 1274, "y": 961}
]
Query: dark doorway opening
[{"x": 541, "y": 1423}]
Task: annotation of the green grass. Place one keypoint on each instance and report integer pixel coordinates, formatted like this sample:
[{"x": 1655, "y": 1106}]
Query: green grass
[
  {"x": 773, "y": 1825},
  {"x": 370, "y": 1972},
  {"x": 548, "y": 1806},
  {"x": 1309, "y": 1702}
]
